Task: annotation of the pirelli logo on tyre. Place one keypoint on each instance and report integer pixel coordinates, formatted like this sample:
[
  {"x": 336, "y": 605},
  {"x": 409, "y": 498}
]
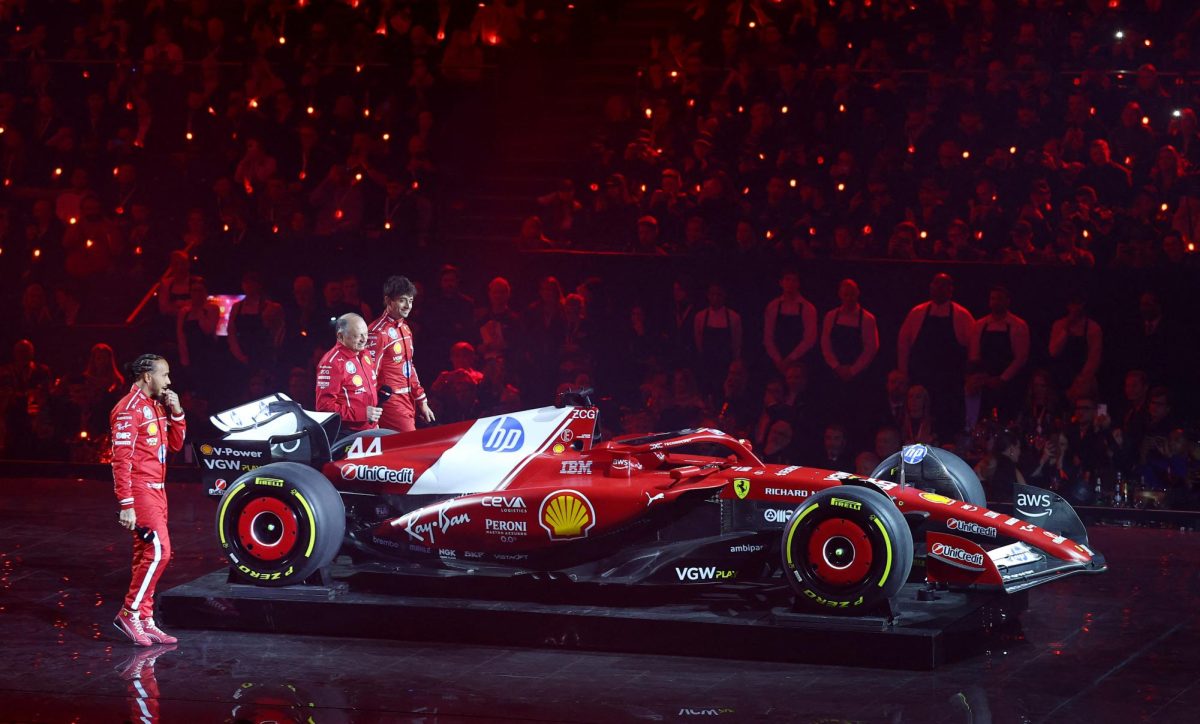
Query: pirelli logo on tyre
[
  {"x": 842, "y": 503},
  {"x": 819, "y": 599},
  {"x": 262, "y": 575},
  {"x": 269, "y": 482}
]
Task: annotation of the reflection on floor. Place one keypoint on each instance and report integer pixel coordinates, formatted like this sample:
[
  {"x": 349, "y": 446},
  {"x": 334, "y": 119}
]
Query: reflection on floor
[{"x": 1119, "y": 647}]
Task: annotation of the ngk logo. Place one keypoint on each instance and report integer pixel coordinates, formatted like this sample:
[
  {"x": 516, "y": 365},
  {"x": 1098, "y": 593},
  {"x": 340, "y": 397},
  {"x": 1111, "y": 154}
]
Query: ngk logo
[{"x": 376, "y": 474}]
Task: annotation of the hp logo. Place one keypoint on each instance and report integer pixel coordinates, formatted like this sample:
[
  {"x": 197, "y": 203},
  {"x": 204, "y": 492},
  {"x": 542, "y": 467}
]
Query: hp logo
[
  {"x": 503, "y": 435},
  {"x": 914, "y": 454}
]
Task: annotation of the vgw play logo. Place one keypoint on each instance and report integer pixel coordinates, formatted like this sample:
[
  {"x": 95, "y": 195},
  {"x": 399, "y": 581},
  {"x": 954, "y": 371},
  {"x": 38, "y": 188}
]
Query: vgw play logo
[{"x": 503, "y": 435}]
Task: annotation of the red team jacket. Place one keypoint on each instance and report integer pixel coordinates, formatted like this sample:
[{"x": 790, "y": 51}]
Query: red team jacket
[
  {"x": 142, "y": 433},
  {"x": 346, "y": 385},
  {"x": 390, "y": 343}
]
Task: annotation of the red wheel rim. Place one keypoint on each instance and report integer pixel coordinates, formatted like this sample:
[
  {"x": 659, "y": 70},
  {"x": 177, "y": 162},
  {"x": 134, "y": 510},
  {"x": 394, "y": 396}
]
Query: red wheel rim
[
  {"x": 839, "y": 552},
  {"x": 268, "y": 529}
]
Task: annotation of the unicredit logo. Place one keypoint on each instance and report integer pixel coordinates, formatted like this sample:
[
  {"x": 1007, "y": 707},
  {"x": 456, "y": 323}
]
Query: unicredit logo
[
  {"x": 966, "y": 526},
  {"x": 956, "y": 554},
  {"x": 503, "y": 435},
  {"x": 377, "y": 474}
]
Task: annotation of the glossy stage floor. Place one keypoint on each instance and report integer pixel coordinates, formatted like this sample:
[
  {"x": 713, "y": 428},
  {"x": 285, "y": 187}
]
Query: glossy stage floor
[{"x": 1121, "y": 647}]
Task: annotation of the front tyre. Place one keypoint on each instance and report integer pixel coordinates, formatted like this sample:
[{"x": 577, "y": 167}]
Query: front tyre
[
  {"x": 934, "y": 470},
  {"x": 280, "y": 523},
  {"x": 846, "y": 549}
]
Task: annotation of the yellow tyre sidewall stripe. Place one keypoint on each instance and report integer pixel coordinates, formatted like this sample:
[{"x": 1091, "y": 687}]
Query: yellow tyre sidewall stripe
[
  {"x": 792, "y": 530},
  {"x": 887, "y": 567},
  {"x": 224, "y": 506},
  {"x": 312, "y": 524}
]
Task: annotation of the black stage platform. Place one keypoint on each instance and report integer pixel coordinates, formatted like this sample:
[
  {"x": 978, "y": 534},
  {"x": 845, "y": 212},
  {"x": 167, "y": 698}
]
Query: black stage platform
[
  {"x": 748, "y": 623},
  {"x": 1120, "y": 647}
]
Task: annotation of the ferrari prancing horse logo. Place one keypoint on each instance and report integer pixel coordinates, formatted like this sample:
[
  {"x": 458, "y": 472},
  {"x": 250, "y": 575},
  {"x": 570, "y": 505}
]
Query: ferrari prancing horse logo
[{"x": 741, "y": 486}]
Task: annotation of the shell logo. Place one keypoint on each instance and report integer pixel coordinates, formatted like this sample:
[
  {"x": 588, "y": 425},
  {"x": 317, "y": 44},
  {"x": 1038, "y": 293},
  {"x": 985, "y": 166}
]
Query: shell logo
[
  {"x": 152, "y": 428},
  {"x": 567, "y": 515},
  {"x": 206, "y": 449},
  {"x": 939, "y": 499},
  {"x": 397, "y": 348},
  {"x": 357, "y": 380}
]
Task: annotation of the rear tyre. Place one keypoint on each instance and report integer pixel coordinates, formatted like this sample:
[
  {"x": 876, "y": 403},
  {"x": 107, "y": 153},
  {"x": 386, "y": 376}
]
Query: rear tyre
[
  {"x": 845, "y": 550},
  {"x": 280, "y": 523}
]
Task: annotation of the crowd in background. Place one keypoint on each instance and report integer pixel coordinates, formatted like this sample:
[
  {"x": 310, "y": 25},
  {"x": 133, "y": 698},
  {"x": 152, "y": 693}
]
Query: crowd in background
[
  {"x": 1024, "y": 132},
  {"x": 265, "y": 147},
  {"x": 244, "y": 134}
]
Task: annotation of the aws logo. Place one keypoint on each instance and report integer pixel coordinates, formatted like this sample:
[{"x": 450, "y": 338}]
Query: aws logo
[
  {"x": 503, "y": 435},
  {"x": 1027, "y": 501},
  {"x": 567, "y": 515}
]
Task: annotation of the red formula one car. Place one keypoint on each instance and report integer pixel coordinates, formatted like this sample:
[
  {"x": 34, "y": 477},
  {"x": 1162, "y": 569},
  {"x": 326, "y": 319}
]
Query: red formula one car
[{"x": 538, "y": 493}]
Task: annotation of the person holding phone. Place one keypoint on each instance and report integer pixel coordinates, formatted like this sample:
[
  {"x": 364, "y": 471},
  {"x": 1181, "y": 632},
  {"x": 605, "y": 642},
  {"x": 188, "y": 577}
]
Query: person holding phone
[{"x": 146, "y": 424}]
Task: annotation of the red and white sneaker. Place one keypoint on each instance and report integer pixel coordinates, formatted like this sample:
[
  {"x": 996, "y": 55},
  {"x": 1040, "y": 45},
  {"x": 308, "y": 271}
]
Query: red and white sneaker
[
  {"x": 156, "y": 634},
  {"x": 142, "y": 663},
  {"x": 128, "y": 623}
]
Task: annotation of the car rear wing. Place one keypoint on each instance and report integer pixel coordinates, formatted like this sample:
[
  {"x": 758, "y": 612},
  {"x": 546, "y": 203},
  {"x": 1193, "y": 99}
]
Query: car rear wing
[{"x": 270, "y": 429}]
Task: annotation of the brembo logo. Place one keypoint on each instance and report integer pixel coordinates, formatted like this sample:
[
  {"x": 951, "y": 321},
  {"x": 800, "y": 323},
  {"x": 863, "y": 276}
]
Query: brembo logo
[
  {"x": 957, "y": 554},
  {"x": 503, "y": 435},
  {"x": 377, "y": 474},
  {"x": 966, "y": 526}
]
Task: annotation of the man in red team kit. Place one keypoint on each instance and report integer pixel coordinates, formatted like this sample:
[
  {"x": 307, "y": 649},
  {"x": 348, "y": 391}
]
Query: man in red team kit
[
  {"x": 145, "y": 424},
  {"x": 346, "y": 377},
  {"x": 390, "y": 343}
]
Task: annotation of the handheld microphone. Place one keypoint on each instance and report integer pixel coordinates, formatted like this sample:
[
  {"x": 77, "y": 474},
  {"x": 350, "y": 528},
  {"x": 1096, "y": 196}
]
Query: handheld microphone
[{"x": 385, "y": 393}]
